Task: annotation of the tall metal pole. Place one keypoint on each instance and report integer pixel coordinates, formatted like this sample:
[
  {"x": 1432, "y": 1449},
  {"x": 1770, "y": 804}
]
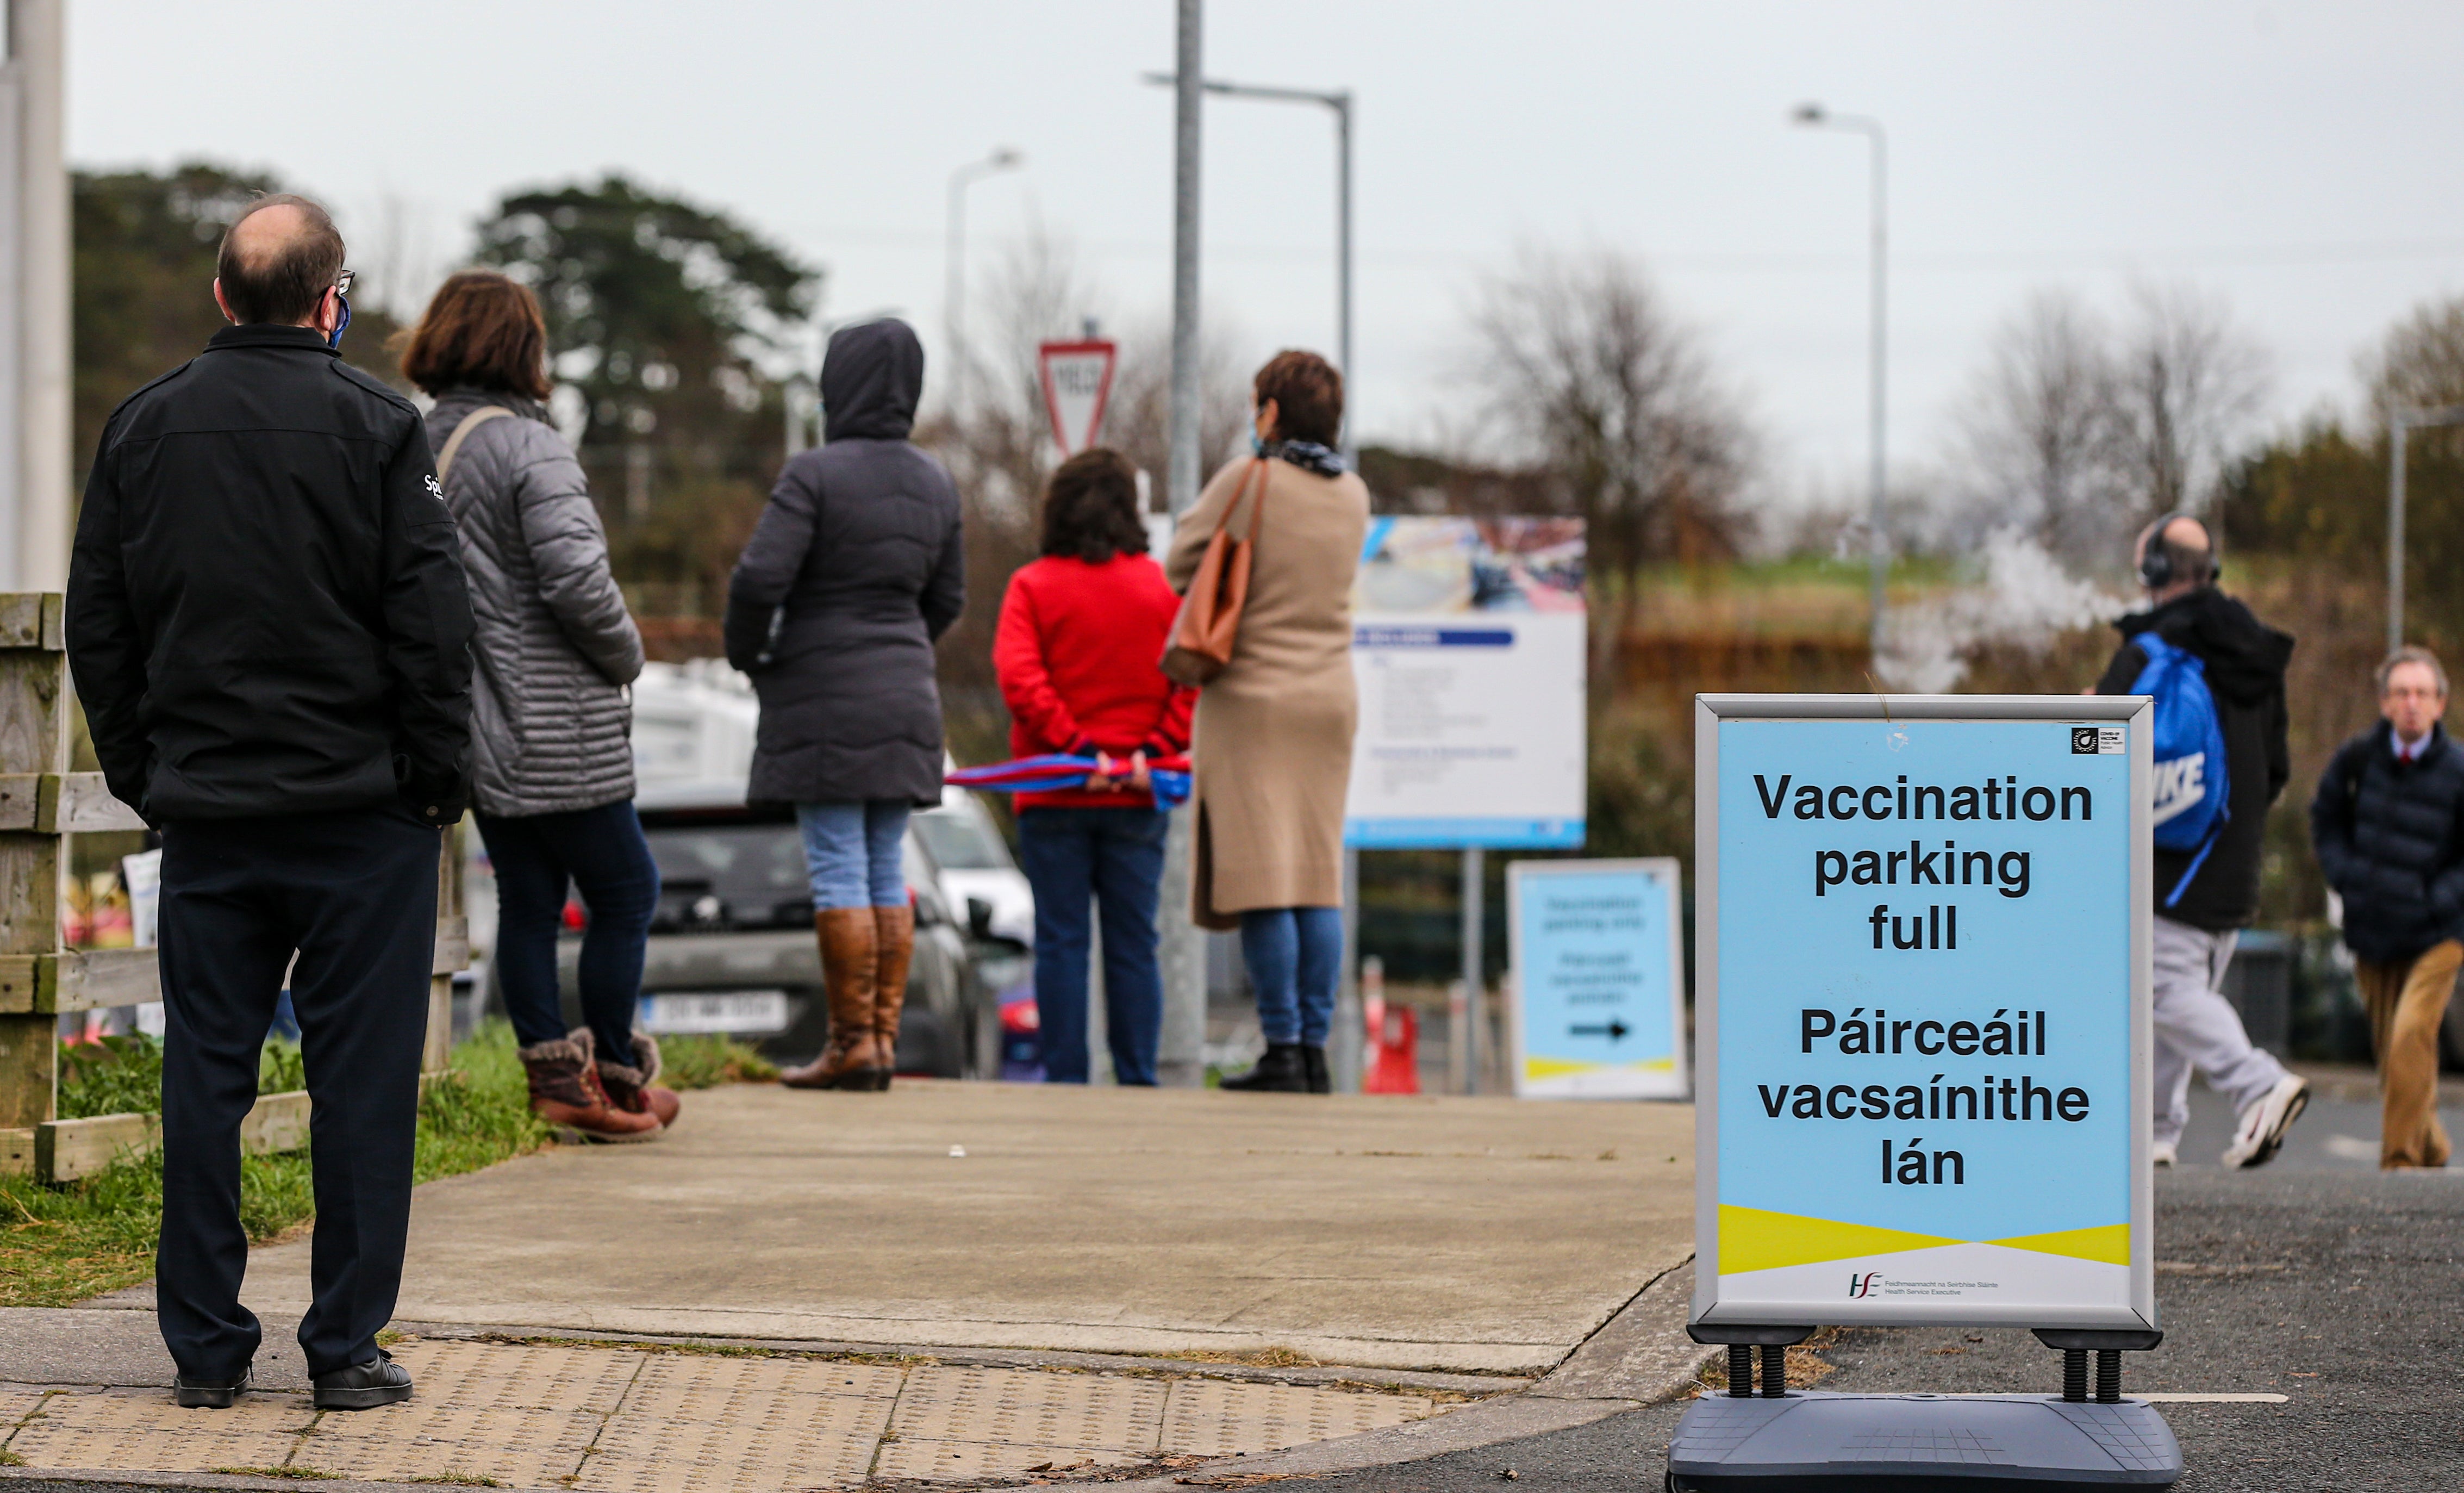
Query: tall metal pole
[
  {"x": 1189, "y": 80},
  {"x": 2400, "y": 424},
  {"x": 34, "y": 302},
  {"x": 1880, "y": 376},
  {"x": 1877, "y": 531},
  {"x": 954, "y": 292},
  {"x": 1180, "y": 1056},
  {"x": 2395, "y": 531},
  {"x": 1474, "y": 923},
  {"x": 1341, "y": 103}
]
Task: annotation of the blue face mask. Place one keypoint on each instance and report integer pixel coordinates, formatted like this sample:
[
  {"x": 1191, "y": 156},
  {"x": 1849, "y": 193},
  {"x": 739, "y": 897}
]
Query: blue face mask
[
  {"x": 1257, "y": 443},
  {"x": 334, "y": 338}
]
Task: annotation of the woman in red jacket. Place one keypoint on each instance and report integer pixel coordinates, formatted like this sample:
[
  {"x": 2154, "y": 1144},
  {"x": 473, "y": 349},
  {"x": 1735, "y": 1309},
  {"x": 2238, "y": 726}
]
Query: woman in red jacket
[{"x": 1081, "y": 631}]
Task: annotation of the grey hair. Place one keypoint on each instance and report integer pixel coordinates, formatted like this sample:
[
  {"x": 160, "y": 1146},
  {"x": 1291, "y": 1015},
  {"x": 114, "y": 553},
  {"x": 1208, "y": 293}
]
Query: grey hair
[{"x": 2411, "y": 654}]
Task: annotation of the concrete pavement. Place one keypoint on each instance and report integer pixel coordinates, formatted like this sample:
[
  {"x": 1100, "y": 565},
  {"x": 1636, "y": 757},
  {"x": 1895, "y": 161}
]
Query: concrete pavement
[{"x": 1472, "y": 1234}]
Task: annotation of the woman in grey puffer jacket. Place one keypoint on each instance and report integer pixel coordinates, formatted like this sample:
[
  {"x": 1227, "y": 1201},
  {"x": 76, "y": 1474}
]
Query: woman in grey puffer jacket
[{"x": 551, "y": 727}]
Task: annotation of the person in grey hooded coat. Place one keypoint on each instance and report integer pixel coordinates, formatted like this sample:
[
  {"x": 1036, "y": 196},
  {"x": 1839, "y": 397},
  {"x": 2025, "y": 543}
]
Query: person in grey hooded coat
[
  {"x": 854, "y": 571},
  {"x": 551, "y": 728}
]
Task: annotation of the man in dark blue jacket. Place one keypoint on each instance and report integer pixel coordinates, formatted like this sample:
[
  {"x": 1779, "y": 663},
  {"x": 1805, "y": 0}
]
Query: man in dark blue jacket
[
  {"x": 2389, "y": 827},
  {"x": 269, "y": 628}
]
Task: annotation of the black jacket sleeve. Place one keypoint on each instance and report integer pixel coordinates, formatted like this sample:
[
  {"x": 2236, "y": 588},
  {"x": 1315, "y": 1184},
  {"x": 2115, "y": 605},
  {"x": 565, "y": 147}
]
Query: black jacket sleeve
[
  {"x": 2130, "y": 661},
  {"x": 426, "y": 605},
  {"x": 945, "y": 591},
  {"x": 2331, "y": 814},
  {"x": 767, "y": 569},
  {"x": 106, "y": 648}
]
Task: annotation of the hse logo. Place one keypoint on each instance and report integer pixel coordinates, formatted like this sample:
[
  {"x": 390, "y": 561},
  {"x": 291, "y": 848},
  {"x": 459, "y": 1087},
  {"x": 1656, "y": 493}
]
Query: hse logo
[
  {"x": 1860, "y": 1286},
  {"x": 2097, "y": 741},
  {"x": 2180, "y": 785}
]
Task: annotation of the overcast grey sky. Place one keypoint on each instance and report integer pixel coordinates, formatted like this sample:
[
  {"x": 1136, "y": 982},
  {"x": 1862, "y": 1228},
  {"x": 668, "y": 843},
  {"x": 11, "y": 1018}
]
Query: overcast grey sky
[{"x": 2299, "y": 160}]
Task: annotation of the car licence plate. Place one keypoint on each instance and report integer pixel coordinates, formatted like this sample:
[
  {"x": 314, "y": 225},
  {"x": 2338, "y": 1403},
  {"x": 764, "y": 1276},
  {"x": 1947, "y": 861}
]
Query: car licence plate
[{"x": 730, "y": 1011}]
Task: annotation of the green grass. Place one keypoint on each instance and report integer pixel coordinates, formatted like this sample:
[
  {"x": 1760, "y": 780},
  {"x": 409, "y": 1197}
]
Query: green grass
[{"x": 62, "y": 1244}]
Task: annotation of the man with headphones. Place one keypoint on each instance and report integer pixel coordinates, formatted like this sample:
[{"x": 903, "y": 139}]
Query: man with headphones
[{"x": 2202, "y": 905}]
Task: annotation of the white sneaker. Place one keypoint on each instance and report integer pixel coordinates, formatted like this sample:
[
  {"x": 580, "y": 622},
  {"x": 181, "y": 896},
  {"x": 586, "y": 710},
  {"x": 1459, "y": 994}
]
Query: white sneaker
[
  {"x": 2261, "y": 1131},
  {"x": 2163, "y": 1153}
]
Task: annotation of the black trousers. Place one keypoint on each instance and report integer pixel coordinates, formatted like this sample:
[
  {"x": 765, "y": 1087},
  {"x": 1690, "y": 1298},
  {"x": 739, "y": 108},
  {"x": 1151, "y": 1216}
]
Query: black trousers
[{"x": 355, "y": 893}]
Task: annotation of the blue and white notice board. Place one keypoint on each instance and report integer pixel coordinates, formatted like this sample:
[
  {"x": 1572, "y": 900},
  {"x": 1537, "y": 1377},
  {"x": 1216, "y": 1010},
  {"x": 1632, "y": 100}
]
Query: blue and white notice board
[
  {"x": 1595, "y": 998},
  {"x": 1922, "y": 1015},
  {"x": 1468, "y": 652}
]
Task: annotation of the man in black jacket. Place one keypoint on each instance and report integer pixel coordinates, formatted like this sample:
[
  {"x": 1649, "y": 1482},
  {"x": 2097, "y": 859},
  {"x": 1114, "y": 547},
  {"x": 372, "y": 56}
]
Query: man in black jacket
[
  {"x": 2389, "y": 827},
  {"x": 2197, "y": 923},
  {"x": 269, "y": 628}
]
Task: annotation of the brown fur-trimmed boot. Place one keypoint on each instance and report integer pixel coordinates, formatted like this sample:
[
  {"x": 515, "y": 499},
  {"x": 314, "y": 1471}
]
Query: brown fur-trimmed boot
[
  {"x": 848, "y": 957},
  {"x": 565, "y": 1093},
  {"x": 895, "y": 937},
  {"x": 630, "y": 1087}
]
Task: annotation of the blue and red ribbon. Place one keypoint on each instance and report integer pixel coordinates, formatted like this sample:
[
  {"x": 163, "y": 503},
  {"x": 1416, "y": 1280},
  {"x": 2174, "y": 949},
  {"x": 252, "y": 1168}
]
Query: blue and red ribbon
[{"x": 1168, "y": 777}]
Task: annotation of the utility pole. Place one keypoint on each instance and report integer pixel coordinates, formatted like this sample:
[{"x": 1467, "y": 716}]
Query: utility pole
[
  {"x": 2399, "y": 423},
  {"x": 1879, "y": 536},
  {"x": 954, "y": 305},
  {"x": 33, "y": 302},
  {"x": 1180, "y": 1059}
]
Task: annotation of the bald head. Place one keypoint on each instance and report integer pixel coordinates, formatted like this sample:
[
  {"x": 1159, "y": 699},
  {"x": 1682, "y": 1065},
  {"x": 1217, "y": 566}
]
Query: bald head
[
  {"x": 2175, "y": 556},
  {"x": 277, "y": 261}
]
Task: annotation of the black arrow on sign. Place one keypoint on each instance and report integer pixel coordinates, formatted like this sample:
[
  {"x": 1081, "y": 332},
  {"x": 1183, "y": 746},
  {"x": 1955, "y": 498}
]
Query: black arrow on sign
[{"x": 1612, "y": 1031}]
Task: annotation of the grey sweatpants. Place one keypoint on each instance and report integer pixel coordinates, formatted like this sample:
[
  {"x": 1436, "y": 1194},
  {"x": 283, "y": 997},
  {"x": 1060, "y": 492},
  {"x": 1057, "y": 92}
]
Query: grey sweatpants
[{"x": 2197, "y": 1028}]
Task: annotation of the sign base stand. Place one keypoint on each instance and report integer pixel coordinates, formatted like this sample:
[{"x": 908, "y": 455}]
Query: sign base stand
[{"x": 1812, "y": 1441}]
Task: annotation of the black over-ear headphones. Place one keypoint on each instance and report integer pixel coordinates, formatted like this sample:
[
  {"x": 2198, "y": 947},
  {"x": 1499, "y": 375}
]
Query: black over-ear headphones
[{"x": 2156, "y": 559}]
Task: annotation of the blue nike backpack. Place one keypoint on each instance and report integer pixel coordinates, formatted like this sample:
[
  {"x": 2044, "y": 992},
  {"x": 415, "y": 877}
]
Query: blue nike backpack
[{"x": 2192, "y": 782}]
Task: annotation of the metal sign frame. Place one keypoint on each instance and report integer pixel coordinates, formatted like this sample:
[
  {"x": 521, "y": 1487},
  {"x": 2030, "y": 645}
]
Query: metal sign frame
[
  {"x": 1670, "y": 874},
  {"x": 2134, "y": 711},
  {"x": 1095, "y": 347}
]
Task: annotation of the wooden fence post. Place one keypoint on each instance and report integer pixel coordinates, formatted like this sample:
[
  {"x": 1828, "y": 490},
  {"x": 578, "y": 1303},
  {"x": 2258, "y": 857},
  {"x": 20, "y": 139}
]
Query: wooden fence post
[
  {"x": 40, "y": 805},
  {"x": 34, "y": 747}
]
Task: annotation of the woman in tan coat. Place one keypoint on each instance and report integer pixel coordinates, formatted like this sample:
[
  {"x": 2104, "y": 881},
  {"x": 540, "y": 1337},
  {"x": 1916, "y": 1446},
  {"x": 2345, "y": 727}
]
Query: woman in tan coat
[{"x": 1273, "y": 736}]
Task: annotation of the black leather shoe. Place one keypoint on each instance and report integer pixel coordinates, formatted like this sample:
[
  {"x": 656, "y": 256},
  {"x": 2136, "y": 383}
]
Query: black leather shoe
[
  {"x": 1281, "y": 1071},
  {"x": 380, "y": 1381},
  {"x": 212, "y": 1393},
  {"x": 1321, "y": 1078}
]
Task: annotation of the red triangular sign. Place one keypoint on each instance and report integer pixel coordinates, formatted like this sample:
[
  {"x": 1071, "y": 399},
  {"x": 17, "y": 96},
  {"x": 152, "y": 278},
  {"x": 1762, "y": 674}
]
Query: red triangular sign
[{"x": 1077, "y": 381}]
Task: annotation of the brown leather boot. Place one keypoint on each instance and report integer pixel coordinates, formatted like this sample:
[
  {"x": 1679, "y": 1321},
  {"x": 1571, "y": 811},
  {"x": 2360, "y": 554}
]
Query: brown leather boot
[
  {"x": 895, "y": 937},
  {"x": 565, "y": 1093},
  {"x": 630, "y": 1086},
  {"x": 847, "y": 958}
]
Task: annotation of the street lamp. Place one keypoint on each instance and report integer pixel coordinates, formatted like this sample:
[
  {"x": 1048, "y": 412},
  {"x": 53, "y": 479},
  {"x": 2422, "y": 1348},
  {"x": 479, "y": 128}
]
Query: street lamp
[
  {"x": 2400, "y": 422},
  {"x": 1340, "y": 100},
  {"x": 1815, "y": 116},
  {"x": 954, "y": 306}
]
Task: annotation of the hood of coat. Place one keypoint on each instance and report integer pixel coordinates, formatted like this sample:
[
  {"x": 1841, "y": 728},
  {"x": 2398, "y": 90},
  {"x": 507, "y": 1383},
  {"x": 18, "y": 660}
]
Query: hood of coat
[
  {"x": 872, "y": 378},
  {"x": 2244, "y": 657}
]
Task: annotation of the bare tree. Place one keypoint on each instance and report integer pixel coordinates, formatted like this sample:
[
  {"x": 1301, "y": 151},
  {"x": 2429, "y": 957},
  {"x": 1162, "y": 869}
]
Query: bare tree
[
  {"x": 1591, "y": 381},
  {"x": 2038, "y": 436},
  {"x": 2420, "y": 366},
  {"x": 2188, "y": 383},
  {"x": 2078, "y": 433}
]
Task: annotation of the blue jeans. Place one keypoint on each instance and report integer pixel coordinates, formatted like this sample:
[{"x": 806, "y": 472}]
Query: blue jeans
[
  {"x": 851, "y": 852},
  {"x": 1295, "y": 956},
  {"x": 1114, "y": 857},
  {"x": 602, "y": 853}
]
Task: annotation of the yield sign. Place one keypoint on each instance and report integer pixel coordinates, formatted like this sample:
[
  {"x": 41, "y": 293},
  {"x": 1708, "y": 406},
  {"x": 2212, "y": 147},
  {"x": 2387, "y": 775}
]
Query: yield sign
[{"x": 1077, "y": 380}]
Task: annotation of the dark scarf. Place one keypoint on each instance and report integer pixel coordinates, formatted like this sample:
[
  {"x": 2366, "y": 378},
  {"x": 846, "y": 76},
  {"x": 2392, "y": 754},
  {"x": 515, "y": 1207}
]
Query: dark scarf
[{"x": 1306, "y": 455}]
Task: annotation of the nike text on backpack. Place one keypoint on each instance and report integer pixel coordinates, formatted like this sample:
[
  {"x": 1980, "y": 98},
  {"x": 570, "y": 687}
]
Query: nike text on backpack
[{"x": 2192, "y": 782}]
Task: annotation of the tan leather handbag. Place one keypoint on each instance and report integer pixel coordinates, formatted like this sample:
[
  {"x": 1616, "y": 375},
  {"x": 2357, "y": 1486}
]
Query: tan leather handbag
[{"x": 1209, "y": 624}]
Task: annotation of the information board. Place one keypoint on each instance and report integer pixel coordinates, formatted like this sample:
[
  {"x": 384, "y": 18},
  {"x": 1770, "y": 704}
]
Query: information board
[
  {"x": 1468, "y": 646},
  {"x": 1923, "y": 1010},
  {"x": 1595, "y": 998}
]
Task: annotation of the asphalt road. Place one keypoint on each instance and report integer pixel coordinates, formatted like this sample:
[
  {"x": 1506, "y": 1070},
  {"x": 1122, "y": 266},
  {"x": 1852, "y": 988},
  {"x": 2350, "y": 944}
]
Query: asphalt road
[{"x": 2315, "y": 1277}]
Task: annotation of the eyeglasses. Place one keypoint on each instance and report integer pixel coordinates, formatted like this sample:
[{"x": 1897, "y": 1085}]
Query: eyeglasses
[{"x": 342, "y": 281}]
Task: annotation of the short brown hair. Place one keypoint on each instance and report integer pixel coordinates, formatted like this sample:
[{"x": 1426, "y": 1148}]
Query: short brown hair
[
  {"x": 2411, "y": 654},
  {"x": 1091, "y": 507},
  {"x": 285, "y": 284},
  {"x": 1308, "y": 394},
  {"x": 481, "y": 330}
]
